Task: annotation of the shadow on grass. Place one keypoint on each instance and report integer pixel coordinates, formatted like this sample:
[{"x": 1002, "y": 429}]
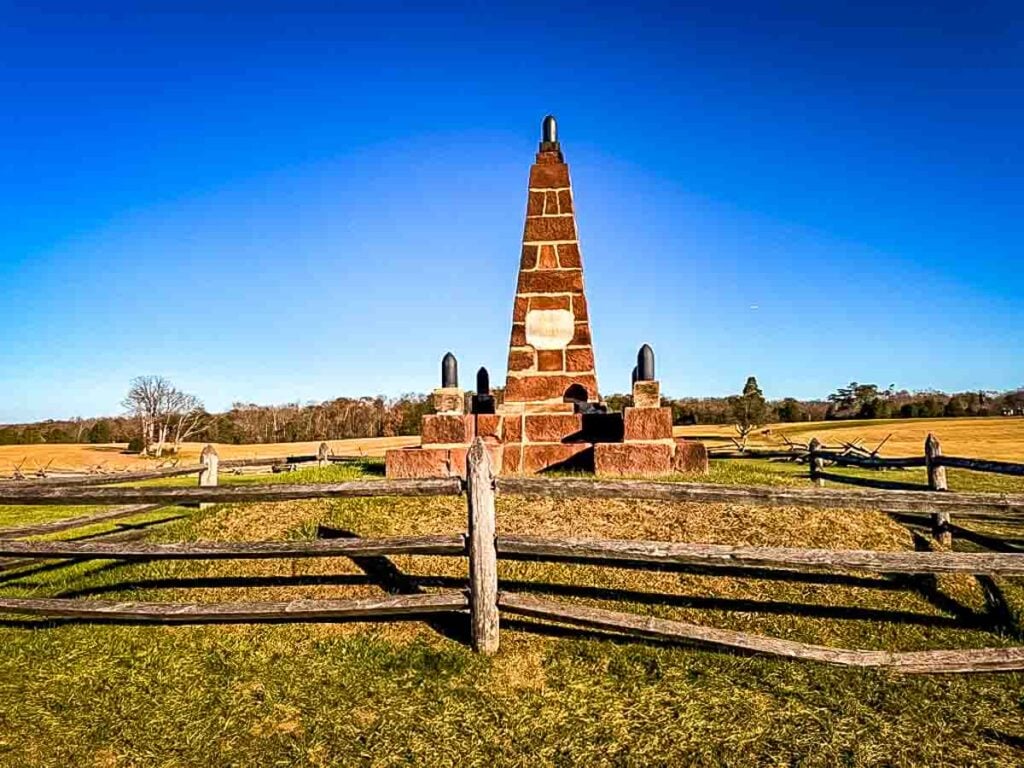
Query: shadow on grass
[
  {"x": 383, "y": 573},
  {"x": 867, "y": 482}
]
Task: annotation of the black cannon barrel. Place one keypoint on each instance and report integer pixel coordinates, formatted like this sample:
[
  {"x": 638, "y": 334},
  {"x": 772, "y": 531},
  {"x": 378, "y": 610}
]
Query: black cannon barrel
[
  {"x": 645, "y": 363},
  {"x": 449, "y": 371}
]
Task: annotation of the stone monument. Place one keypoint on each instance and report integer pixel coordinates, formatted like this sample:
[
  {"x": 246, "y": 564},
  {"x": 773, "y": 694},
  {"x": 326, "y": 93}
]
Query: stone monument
[{"x": 552, "y": 416}]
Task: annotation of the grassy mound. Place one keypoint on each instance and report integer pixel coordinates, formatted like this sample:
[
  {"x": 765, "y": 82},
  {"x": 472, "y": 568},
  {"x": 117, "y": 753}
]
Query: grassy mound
[{"x": 412, "y": 693}]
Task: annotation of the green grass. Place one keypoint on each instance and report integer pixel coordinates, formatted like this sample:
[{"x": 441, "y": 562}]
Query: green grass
[{"x": 414, "y": 694}]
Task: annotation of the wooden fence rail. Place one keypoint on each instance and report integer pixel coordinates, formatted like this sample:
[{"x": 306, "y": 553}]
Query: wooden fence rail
[
  {"x": 886, "y": 501},
  {"x": 113, "y": 477},
  {"x": 81, "y": 521},
  {"x": 230, "y": 494},
  {"x": 484, "y": 547},
  {"x": 403, "y": 606},
  {"x": 618, "y": 552},
  {"x": 932, "y": 458},
  {"x": 237, "y": 550}
]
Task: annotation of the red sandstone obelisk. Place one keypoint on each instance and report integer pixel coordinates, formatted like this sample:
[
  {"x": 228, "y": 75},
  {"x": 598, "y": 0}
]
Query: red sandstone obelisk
[{"x": 550, "y": 356}]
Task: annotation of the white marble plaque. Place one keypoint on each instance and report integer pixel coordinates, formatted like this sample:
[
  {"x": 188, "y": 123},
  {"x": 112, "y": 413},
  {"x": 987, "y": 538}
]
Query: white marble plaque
[{"x": 549, "y": 328}]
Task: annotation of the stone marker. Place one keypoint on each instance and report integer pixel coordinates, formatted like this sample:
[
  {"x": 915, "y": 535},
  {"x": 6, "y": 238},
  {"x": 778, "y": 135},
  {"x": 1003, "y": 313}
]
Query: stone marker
[{"x": 551, "y": 416}]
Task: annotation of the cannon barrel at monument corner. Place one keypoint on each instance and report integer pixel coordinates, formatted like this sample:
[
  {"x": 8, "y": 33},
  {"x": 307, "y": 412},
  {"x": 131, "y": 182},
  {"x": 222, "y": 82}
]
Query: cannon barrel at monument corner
[
  {"x": 633, "y": 375},
  {"x": 449, "y": 371},
  {"x": 645, "y": 364},
  {"x": 483, "y": 382}
]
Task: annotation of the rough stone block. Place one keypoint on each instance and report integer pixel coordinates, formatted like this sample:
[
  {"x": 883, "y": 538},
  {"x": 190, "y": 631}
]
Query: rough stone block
[
  {"x": 559, "y": 407},
  {"x": 690, "y": 456},
  {"x": 520, "y": 360},
  {"x": 552, "y": 428},
  {"x": 528, "y": 260},
  {"x": 551, "y": 207},
  {"x": 535, "y": 204},
  {"x": 646, "y": 394},
  {"x": 417, "y": 462},
  {"x": 512, "y": 428},
  {"x": 449, "y": 400},
  {"x": 547, "y": 228},
  {"x": 647, "y": 423},
  {"x": 446, "y": 429},
  {"x": 581, "y": 335},
  {"x": 550, "y": 302},
  {"x": 547, "y": 259},
  {"x": 488, "y": 425},
  {"x": 633, "y": 459},
  {"x": 550, "y": 387},
  {"x": 511, "y": 456},
  {"x": 549, "y": 176},
  {"x": 565, "y": 201},
  {"x": 518, "y": 338},
  {"x": 569, "y": 256},
  {"x": 581, "y": 359},
  {"x": 551, "y": 281},
  {"x": 579, "y": 307},
  {"x": 519, "y": 309},
  {"x": 577, "y": 456},
  {"x": 550, "y": 360}
]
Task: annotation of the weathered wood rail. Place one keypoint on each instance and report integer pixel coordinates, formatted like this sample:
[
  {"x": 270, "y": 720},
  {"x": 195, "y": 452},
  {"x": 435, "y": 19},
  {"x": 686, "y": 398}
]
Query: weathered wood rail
[
  {"x": 402, "y": 606},
  {"x": 932, "y": 459},
  {"x": 483, "y": 548},
  {"x": 81, "y": 521},
  {"x": 322, "y": 457},
  {"x": 230, "y": 494}
]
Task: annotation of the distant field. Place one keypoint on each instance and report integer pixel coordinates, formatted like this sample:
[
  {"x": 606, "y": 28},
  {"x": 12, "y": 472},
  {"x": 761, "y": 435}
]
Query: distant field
[
  {"x": 983, "y": 438},
  {"x": 112, "y": 456}
]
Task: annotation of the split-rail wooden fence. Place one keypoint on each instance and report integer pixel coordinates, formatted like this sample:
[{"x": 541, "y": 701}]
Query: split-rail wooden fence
[{"x": 484, "y": 602}]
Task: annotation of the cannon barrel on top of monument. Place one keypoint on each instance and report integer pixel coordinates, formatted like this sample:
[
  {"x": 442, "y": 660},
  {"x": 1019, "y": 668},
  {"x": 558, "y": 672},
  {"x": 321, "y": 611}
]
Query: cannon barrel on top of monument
[
  {"x": 645, "y": 364},
  {"x": 449, "y": 372},
  {"x": 483, "y": 382},
  {"x": 549, "y": 130}
]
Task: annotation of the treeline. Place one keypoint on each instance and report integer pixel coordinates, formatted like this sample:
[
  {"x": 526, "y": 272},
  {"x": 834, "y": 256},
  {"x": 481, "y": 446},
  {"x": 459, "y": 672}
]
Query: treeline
[
  {"x": 345, "y": 417},
  {"x": 250, "y": 423},
  {"x": 856, "y": 401}
]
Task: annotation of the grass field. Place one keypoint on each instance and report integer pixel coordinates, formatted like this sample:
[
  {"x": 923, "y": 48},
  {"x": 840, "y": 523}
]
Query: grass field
[
  {"x": 979, "y": 438},
  {"x": 325, "y": 694},
  {"x": 113, "y": 456}
]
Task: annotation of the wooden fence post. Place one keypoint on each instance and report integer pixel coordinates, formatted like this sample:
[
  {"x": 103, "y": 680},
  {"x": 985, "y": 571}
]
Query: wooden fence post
[
  {"x": 937, "y": 482},
  {"x": 321, "y": 454},
  {"x": 483, "y": 556},
  {"x": 208, "y": 474},
  {"x": 936, "y": 473},
  {"x": 814, "y": 460}
]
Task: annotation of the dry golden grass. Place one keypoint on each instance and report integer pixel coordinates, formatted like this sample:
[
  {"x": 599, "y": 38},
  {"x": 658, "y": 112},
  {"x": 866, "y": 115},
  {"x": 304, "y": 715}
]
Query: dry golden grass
[
  {"x": 980, "y": 438},
  {"x": 112, "y": 457}
]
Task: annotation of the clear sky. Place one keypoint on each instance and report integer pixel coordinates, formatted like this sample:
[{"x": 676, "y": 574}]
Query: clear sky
[{"x": 303, "y": 201}]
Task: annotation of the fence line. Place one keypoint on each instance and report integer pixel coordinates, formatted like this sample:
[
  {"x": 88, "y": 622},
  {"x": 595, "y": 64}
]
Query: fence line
[
  {"x": 483, "y": 547},
  {"x": 932, "y": 458}
]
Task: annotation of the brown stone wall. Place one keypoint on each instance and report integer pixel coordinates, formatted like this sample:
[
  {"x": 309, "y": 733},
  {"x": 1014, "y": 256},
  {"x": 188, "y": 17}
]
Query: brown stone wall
[
  {"x": 647, "y": 423},
  {"x": 550, "y": 279},
  {"x": 446, "y": 429},
  {"x": 633, "y": 459},
  {"x": 690, "y": 456}
]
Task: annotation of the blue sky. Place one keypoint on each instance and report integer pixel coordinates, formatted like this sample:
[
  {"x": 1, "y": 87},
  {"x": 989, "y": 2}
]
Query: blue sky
[{"x": 303, "y": 201}]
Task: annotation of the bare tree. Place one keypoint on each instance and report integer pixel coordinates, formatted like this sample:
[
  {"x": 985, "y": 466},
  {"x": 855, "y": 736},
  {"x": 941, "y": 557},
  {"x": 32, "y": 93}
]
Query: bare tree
[
  {"x": 159, "y": 407},
  {"x": 188, "y": 416}
]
